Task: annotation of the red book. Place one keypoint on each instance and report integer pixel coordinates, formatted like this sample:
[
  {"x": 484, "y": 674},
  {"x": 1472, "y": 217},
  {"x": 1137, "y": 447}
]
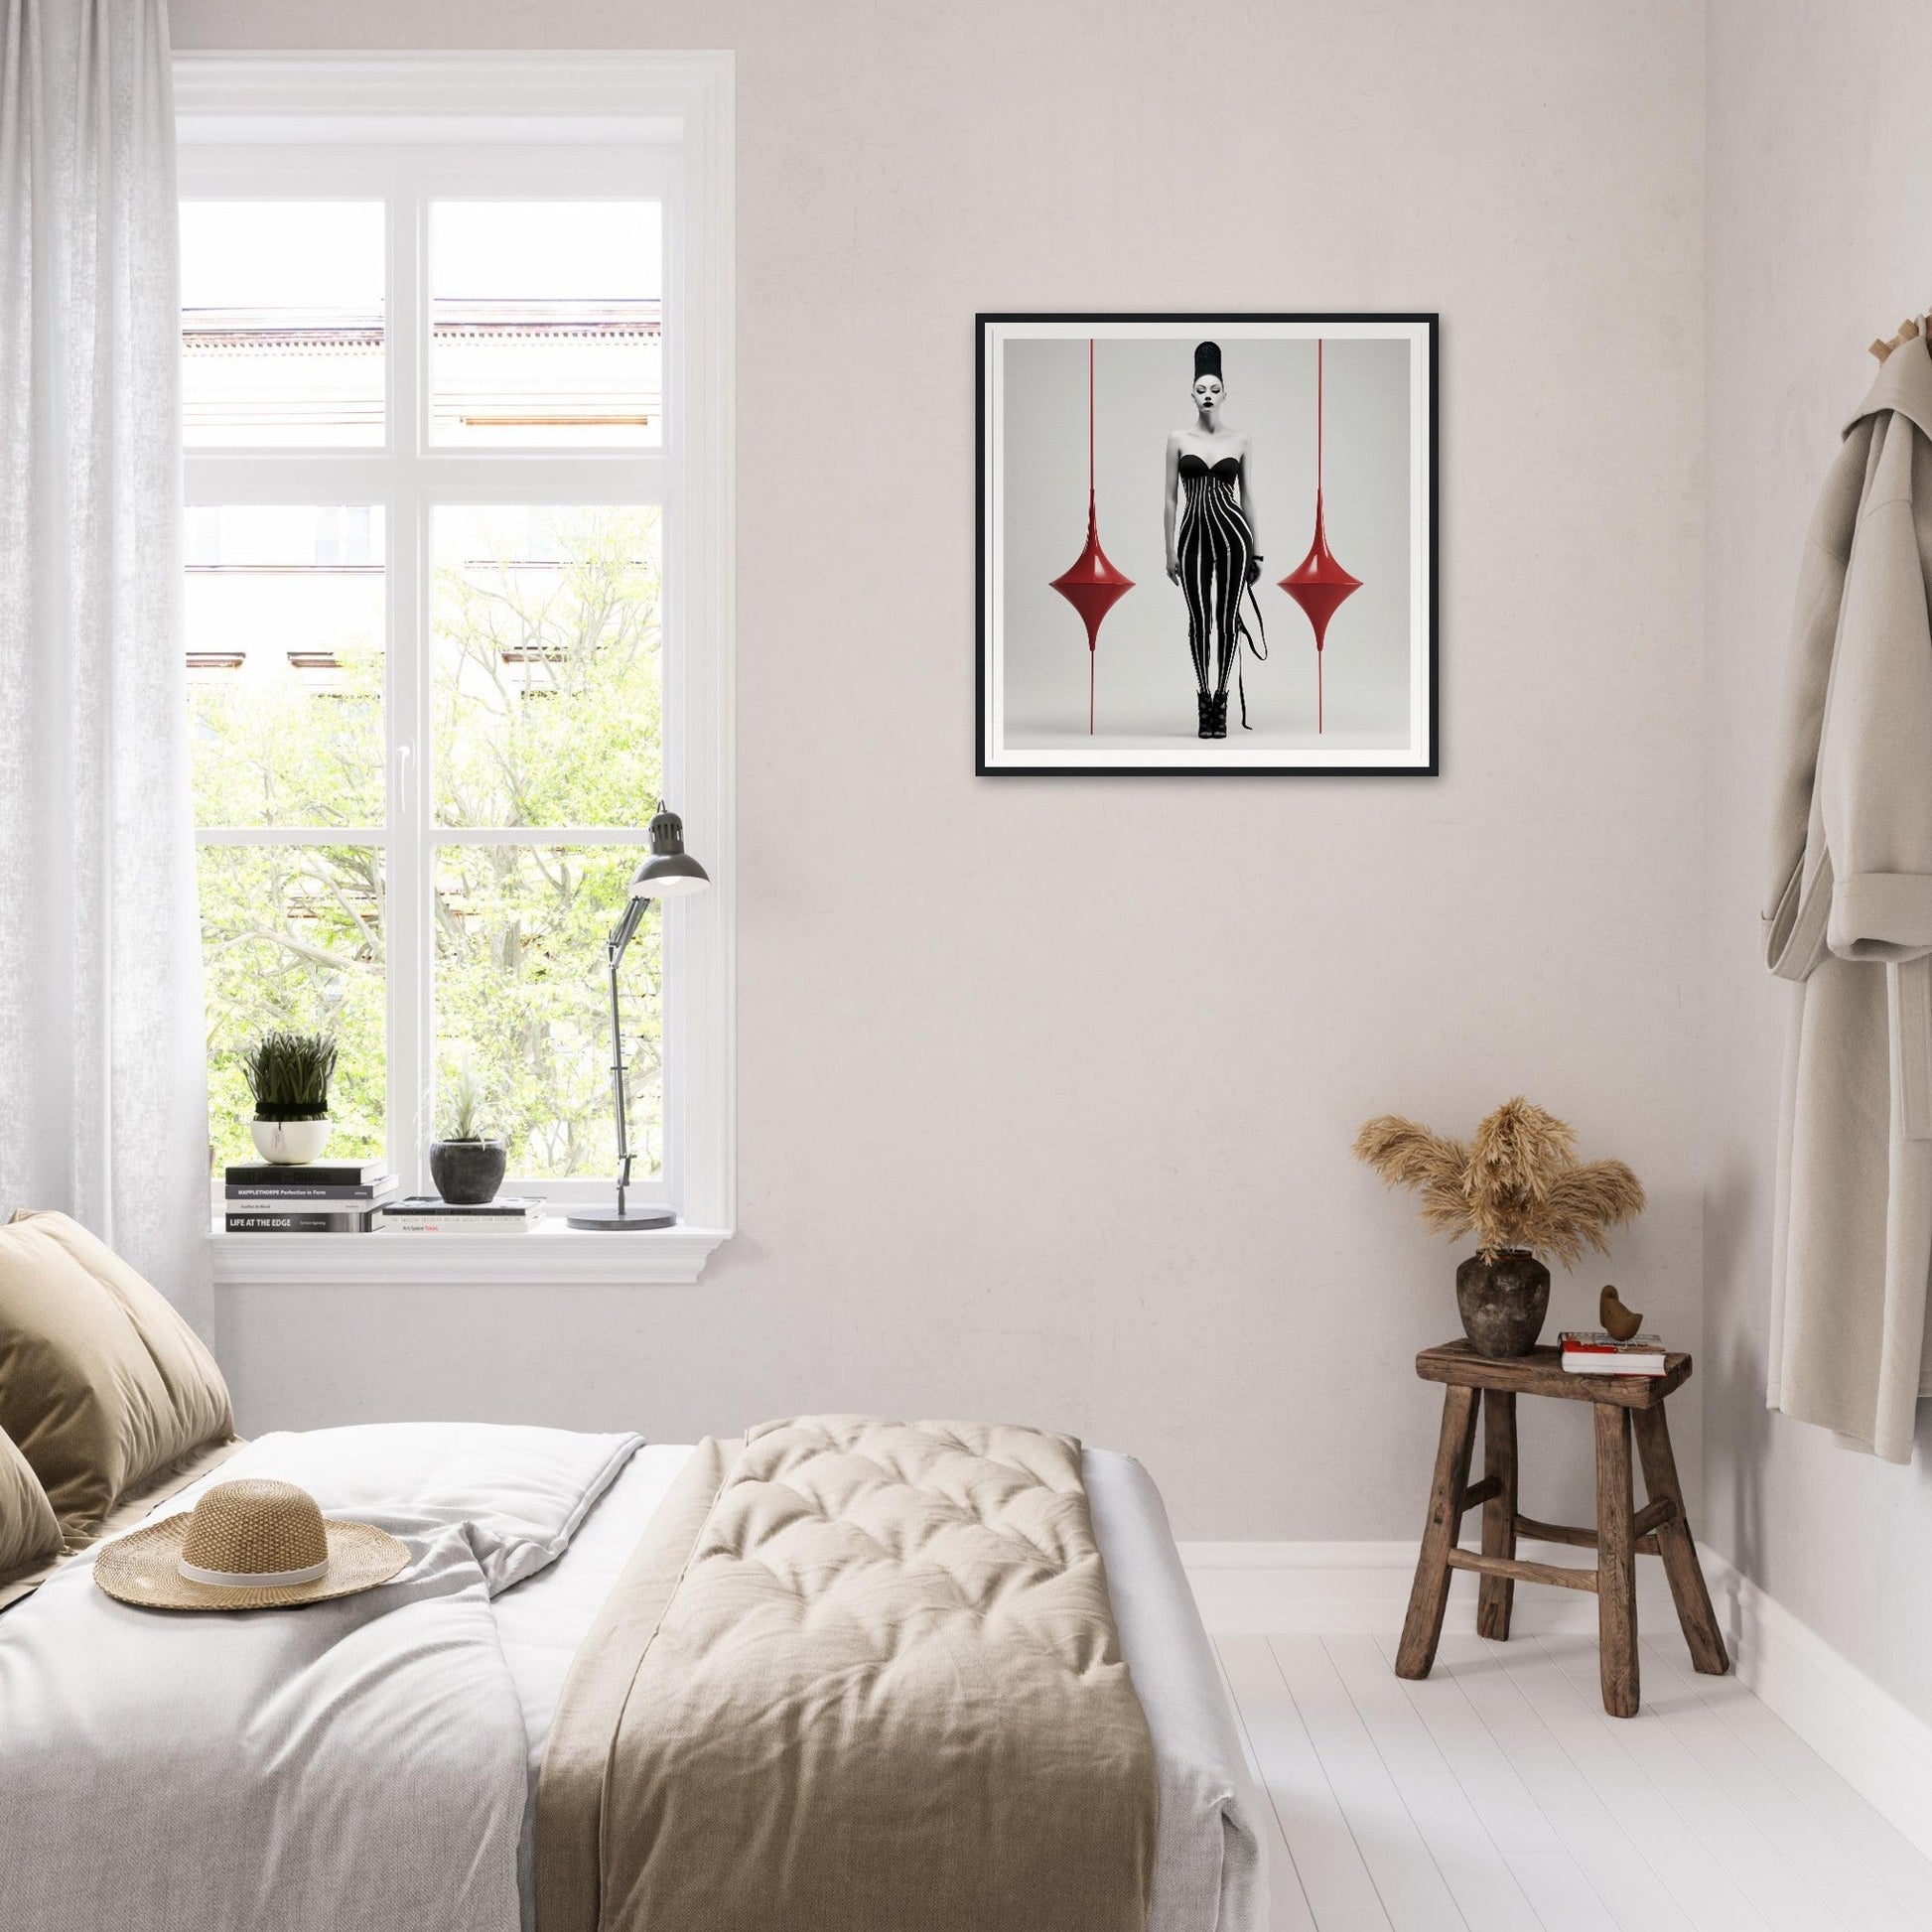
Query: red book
[{"x": 1591, "y": 1352}]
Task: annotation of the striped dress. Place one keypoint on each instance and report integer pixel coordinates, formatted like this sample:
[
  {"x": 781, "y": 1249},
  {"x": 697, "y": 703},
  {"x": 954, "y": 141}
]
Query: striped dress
[{"x": 1215, "y": 549}]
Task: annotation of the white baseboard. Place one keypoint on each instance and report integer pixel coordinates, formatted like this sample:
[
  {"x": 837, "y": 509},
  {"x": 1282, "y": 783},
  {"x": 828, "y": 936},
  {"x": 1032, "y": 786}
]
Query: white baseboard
[
  {"x": 1873, "y": 1741},
  {"x": 1355, "y": 1588},
  {"x": 1878, "y": 1746}
]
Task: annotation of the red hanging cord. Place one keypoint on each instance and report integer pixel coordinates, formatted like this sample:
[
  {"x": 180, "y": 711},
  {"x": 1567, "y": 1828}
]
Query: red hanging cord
[
  {"x": 1319, "y": 584},
  {"x": 1091, "y": 584}
]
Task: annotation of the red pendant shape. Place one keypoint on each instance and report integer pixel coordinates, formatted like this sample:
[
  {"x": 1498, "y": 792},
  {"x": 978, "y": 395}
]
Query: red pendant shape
[
  {"x": 1090, "y": 583},
  {"x": 1321, "y": 586},
  {"x": 1093, "y": 586}
]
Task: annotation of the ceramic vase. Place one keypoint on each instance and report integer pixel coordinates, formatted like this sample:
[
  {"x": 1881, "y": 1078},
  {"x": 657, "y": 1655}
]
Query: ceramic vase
[
  {"x": 468, "y": 1174},
  {"x": 1503, "y": 1300}
]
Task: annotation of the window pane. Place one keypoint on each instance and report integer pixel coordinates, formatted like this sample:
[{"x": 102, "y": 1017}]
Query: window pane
[
  {"x": 522, "y": 1001},
  {"x": 285, "y": 629},
  {"x": 548, "y": 685},
  {"x": 546, "y": 324},
  {"x": 281, "y": 323},
  {"x": 292, "y": 937}
]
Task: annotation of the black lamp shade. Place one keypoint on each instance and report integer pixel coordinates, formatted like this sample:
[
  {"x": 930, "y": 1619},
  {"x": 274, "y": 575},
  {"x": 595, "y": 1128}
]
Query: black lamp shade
[{"x": 670, "y": 871}]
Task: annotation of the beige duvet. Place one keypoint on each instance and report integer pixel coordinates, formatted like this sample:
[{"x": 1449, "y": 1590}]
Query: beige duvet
[{"x": 860, "y": 1677}]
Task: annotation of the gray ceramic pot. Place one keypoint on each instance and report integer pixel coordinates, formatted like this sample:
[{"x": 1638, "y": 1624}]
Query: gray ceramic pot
[
  {"x": 1503, "y": 1302},
  {"x": 468, "y": 1174}
]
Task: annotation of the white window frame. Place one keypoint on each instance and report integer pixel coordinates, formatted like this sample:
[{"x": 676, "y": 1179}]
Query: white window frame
[{"x": 401, "y": 128}]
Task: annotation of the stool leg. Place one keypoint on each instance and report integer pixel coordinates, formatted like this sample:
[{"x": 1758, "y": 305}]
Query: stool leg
[
  {"x": 1678, "y": 1547},
  {"x": 1617, "y": 1562},
  {"x": 1496, "y": 1595},
  {"x": 1422, "y": 1630}
]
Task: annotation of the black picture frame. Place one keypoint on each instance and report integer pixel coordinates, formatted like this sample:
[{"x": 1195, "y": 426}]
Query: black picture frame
[{"x": 1423, "y": 759}]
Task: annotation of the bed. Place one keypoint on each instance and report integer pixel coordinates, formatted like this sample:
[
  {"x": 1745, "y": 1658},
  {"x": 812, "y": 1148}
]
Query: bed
[
  {"x": 140, "y": 1728},
  {"x": 840, "y": 1674}
]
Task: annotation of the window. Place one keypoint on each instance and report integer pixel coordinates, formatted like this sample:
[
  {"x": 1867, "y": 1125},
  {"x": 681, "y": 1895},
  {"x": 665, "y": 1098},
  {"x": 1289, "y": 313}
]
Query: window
[{"x": 456, "y": 598}]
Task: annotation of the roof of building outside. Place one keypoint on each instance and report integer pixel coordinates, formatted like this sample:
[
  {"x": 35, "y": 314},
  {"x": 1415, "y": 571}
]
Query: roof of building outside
[{"x": 451, "y": 317}]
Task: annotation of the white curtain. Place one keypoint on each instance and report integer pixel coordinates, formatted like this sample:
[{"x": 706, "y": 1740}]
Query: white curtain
[{"x": 101, "y": 1068}]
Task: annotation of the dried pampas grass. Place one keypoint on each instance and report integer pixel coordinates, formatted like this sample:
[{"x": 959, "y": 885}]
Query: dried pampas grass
[
  {"x": 1432, "y": 1165},
  {"x": 1517, "y": 1184}
]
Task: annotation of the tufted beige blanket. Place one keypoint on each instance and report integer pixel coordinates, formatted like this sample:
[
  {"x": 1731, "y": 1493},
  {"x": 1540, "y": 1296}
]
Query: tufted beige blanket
[{"x": 860, "y": 1676}]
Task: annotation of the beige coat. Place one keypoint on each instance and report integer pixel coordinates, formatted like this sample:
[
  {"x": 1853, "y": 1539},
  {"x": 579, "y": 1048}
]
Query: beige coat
[{"x": 1850, "y": 920}]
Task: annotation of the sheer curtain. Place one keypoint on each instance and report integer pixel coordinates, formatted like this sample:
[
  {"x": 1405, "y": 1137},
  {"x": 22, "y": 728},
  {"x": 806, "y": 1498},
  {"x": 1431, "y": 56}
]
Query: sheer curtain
[{"x": 101, "y": 1071}]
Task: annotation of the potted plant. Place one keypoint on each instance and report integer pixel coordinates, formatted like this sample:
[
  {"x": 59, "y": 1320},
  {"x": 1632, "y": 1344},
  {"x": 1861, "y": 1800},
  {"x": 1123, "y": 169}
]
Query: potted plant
[
  {"x": 468, "y": 1163},
  {"x": 288, "y": 1075},
  {"x": 1519, "y": 1188}
]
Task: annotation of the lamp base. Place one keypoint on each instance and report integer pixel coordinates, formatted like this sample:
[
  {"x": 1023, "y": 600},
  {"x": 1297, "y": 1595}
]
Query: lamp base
[{"x": 612, "y": 1219}]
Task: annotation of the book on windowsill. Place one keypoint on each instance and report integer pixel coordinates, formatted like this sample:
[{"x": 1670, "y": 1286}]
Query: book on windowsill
[
  {"x": 426, "y": 1214},
  {"x": 289, "y": 1177},
  {"x": 290, "y": 1194},
  {"x": 1595, "y": 1351},
  {"x": 257, "y": 1219}
]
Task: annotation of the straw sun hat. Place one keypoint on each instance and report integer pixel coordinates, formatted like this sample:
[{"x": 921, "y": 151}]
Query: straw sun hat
[{"x": 249, "y": 1545}]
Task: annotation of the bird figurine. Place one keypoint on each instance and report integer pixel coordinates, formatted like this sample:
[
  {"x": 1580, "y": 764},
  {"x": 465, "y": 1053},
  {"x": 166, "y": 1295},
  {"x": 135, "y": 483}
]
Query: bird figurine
[{"x": 1618, "y": 1322}]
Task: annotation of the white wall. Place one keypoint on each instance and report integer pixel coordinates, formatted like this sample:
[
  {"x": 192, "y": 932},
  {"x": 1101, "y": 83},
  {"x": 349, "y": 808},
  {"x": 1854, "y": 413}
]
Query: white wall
[
  {"x": 1819, "y": 180},
  {"x": 1047, "y": 1085}
]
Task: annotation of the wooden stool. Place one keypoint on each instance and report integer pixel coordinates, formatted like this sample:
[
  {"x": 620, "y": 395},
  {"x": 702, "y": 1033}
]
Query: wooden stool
[{"x": 1659, "y": 1529}]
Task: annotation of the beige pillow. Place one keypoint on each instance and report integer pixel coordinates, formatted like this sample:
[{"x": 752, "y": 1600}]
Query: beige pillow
[
  {"x": 29, "y": 1534},
  {"x": 101, "y": 1382}
]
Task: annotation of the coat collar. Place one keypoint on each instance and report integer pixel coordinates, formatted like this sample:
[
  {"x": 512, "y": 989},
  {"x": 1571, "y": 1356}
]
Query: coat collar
[{"x": 1903, "y": 384}]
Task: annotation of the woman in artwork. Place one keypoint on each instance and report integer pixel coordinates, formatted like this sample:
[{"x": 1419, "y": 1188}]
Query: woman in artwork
[{"x": 1211, "y": 554}]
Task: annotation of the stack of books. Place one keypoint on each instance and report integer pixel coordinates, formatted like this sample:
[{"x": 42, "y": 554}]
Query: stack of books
[
  {"x": 322, "y": 1197},
  {"x": 425, "y": 1214},
  {"x": 1595, "y": 1351}
]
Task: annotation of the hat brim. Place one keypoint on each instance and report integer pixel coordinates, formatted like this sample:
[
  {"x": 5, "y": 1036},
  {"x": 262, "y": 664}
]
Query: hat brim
[{"x": 143, "y": 1569}]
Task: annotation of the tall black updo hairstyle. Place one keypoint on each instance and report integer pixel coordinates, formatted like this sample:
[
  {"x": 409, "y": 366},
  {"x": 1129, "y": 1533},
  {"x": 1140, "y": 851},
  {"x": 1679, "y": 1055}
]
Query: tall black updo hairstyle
[{"x": 1208, "y": 362}]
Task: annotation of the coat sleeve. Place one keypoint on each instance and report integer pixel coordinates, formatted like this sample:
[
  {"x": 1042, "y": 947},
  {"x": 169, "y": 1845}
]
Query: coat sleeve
[
  {"x": 1797, "y": 902},
  {"x": 1874, "y": 759}
]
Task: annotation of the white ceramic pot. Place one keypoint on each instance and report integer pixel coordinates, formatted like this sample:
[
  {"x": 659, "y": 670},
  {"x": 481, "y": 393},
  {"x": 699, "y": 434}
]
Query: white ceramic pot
[{"x": 290, "y": 1143}]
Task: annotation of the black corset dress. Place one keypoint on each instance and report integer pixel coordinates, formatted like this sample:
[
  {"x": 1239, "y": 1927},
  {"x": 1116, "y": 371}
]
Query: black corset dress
[{"x": 1215, "y": 549}]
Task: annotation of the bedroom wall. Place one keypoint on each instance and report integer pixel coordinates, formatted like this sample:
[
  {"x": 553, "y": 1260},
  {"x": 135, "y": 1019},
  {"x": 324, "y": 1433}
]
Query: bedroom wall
[
  {"x": 1047, "y": 1086},
  {"x": 1819, "y": 179}
]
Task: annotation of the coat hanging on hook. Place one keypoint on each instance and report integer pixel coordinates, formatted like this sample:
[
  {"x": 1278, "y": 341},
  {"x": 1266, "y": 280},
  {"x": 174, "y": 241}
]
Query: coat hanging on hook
[{"x": 1849, "y": 918}]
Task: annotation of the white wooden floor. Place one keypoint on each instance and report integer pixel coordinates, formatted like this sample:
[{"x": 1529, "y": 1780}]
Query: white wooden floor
[{"x": 1497, "y": 1796}]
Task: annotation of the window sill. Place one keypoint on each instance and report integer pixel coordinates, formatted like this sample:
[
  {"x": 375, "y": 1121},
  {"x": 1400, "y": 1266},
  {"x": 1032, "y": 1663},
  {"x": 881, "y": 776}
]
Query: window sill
[{"x": 550, "y": 1254}]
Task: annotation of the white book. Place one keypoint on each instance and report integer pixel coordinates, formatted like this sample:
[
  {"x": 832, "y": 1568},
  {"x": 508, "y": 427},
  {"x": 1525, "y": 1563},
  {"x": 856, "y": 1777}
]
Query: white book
[
  {"x": 1579, "y": 1364},
  {"x": 455, "y": 1225}
]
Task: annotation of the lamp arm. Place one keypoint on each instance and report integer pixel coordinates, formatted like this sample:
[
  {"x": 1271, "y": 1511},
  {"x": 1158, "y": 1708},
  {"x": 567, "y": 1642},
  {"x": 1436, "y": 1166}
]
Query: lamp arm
[
  {"x": 614, "y": 954},
  {"x": 625, "y": 929},
  {"x": 614, "y": 950}
]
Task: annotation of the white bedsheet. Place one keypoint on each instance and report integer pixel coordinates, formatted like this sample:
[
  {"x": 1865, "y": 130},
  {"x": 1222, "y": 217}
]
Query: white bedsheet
[
  {"x": 353, "y": 1765},
  {"x": 1209, "y": 1871}
]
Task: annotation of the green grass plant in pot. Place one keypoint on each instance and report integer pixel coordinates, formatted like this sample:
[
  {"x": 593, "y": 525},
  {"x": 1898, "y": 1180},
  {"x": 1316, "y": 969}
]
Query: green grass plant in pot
[
  {"x": 1519, "y": 1188},
  {"x": 288, "y": 1075},
  {"x": 468, "y": 1163}
]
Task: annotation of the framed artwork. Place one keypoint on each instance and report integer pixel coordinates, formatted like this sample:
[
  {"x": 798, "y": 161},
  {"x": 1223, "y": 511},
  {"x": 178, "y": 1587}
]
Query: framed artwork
[{"x": 1207, "y": 543}]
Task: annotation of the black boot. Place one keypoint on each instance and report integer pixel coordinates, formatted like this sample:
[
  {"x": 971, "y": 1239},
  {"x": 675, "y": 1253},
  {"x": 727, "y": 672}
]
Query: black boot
[{"x": 1213, "y": 714}]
